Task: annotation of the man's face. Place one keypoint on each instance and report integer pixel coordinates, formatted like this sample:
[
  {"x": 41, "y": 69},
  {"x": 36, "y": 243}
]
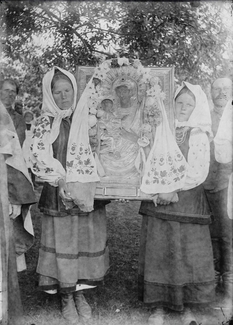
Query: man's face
[
  {"x": 221, "y": 92},
  {"x": 8, "y": 94}
]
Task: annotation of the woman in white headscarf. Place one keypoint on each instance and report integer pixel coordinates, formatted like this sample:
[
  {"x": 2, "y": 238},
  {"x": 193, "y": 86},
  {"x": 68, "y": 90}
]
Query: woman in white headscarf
[
  {"x": 73, "y": 255},
  {"x": 176, "y": 260}
]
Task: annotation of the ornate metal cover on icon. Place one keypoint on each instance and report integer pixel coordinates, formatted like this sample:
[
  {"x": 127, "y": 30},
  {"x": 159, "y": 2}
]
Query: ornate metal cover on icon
[{"x": 124, "y": 111}]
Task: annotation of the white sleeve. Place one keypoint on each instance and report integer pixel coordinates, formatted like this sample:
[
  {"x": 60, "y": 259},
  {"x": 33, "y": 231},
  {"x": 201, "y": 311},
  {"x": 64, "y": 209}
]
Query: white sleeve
[
  {"x": 42, "y": 162},
  {"x": 198, "y": 159},
  {"x": 223, "y": 138},
  {"x": 223, "y": 151}
]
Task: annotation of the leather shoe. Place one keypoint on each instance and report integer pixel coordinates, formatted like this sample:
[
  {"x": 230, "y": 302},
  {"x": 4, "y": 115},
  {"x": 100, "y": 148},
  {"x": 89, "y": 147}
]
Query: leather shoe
[
  {"x": 83, "y": 308},
  {"x": 68, "y": 309}
]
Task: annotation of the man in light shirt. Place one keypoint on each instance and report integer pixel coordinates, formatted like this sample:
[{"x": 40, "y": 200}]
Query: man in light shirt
[{"x": 216, "y": 186}]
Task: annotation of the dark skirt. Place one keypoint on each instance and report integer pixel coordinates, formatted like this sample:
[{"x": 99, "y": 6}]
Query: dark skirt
[
  {"x": 176, "y": 258},
  {"x": 175, "y": 264},
  {"x": 73, "y": 250}
]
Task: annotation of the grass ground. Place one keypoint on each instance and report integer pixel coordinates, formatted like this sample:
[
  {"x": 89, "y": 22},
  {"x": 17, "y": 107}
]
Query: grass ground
[{"x": 116, "y": 302}]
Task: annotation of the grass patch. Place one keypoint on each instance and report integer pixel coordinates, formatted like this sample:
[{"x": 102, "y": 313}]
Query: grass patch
[{"x": 114, "y": 303}]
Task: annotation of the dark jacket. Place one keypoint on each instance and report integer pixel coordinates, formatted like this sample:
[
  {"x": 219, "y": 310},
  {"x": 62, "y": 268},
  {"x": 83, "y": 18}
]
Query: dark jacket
[{"x": 19, "y": 124}]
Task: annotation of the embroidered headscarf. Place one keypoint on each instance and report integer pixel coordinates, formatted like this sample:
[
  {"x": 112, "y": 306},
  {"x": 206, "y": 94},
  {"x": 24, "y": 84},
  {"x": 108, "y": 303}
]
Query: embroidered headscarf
[
  {"x": 81, "y": 172},
  {"x": 80, "y": 164},
  {"x": 200, "y": 116}
]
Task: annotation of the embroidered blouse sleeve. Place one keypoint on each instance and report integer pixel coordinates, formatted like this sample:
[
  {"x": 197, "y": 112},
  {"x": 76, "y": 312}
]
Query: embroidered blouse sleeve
[
  {"x": 198, "y": 159},
  {"x": 42, "y": 162}
]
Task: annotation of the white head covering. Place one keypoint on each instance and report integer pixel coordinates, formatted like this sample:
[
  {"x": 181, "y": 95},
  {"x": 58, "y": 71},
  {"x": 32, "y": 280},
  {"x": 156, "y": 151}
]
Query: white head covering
[
  {"x": 49, "y": 107},
  {"x": 200, "y": 116},
  {"x": 80, "y": 162},
  {"x": 80, "y": 171}
]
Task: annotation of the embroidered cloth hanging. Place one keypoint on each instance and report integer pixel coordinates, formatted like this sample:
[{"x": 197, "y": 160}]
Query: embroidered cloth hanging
[{"x": 165, "y": 166}]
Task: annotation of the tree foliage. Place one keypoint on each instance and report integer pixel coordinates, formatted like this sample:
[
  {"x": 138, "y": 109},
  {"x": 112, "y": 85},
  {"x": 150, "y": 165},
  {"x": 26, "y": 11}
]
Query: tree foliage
[
  {"x": 71, "y": 30},
  {"x": 191, "y": 36},
  {"x": 39, "y": 34}
]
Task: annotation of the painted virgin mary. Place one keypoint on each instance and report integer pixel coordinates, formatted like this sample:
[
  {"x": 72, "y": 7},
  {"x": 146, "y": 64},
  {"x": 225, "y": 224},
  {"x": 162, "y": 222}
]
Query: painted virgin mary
[{"x": 121, "y": 162}]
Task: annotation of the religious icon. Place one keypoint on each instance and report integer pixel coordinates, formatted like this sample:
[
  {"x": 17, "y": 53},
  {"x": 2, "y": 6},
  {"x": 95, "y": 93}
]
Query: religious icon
[{"x": 124, "y": 95}]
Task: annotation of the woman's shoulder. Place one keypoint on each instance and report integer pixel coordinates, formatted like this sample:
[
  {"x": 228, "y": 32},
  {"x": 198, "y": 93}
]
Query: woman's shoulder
[
  {"x": 198, "y": 132},
  {"x": 198, "y": 137}
]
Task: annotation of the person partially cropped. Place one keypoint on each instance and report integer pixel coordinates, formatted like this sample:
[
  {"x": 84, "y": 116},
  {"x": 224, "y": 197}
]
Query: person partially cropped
[
  {"x": 30, "y": 124},
  {"x": 223, "y": 155},
  {"x": 216, "y": 188},
  {"x": 9, "y": 90},
  {"x": 176, "y": 269},
  {"x": 73, "y": 255},
  {"x": 17, "y": 195}
]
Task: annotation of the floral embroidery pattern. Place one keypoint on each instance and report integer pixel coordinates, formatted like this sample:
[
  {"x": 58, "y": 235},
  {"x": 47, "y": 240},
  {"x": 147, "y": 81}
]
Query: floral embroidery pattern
[
  {"x": 48, "y": 170},
  {"x": 42, "y": 164},
  {"x": 159, "y": 175},
  {"x": 35, "y": 168},
  {"x": 82, "y": 162},
  {"x": 41, "y": 127}
]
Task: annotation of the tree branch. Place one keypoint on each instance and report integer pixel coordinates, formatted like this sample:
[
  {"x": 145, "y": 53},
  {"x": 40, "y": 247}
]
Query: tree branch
[{"x": 86, "y": 45}]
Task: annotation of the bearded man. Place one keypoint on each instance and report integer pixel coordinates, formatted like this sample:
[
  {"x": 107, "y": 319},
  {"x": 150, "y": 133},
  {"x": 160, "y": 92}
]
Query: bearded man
[{"x": 216, "y": 186}]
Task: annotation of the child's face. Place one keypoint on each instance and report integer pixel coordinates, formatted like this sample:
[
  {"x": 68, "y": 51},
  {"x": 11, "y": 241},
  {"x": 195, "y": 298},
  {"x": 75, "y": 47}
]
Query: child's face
[
  {"x": 28, "y": 118},
  {"x": 107, "y": 105},
  {"x": 184, "y": 106}
]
